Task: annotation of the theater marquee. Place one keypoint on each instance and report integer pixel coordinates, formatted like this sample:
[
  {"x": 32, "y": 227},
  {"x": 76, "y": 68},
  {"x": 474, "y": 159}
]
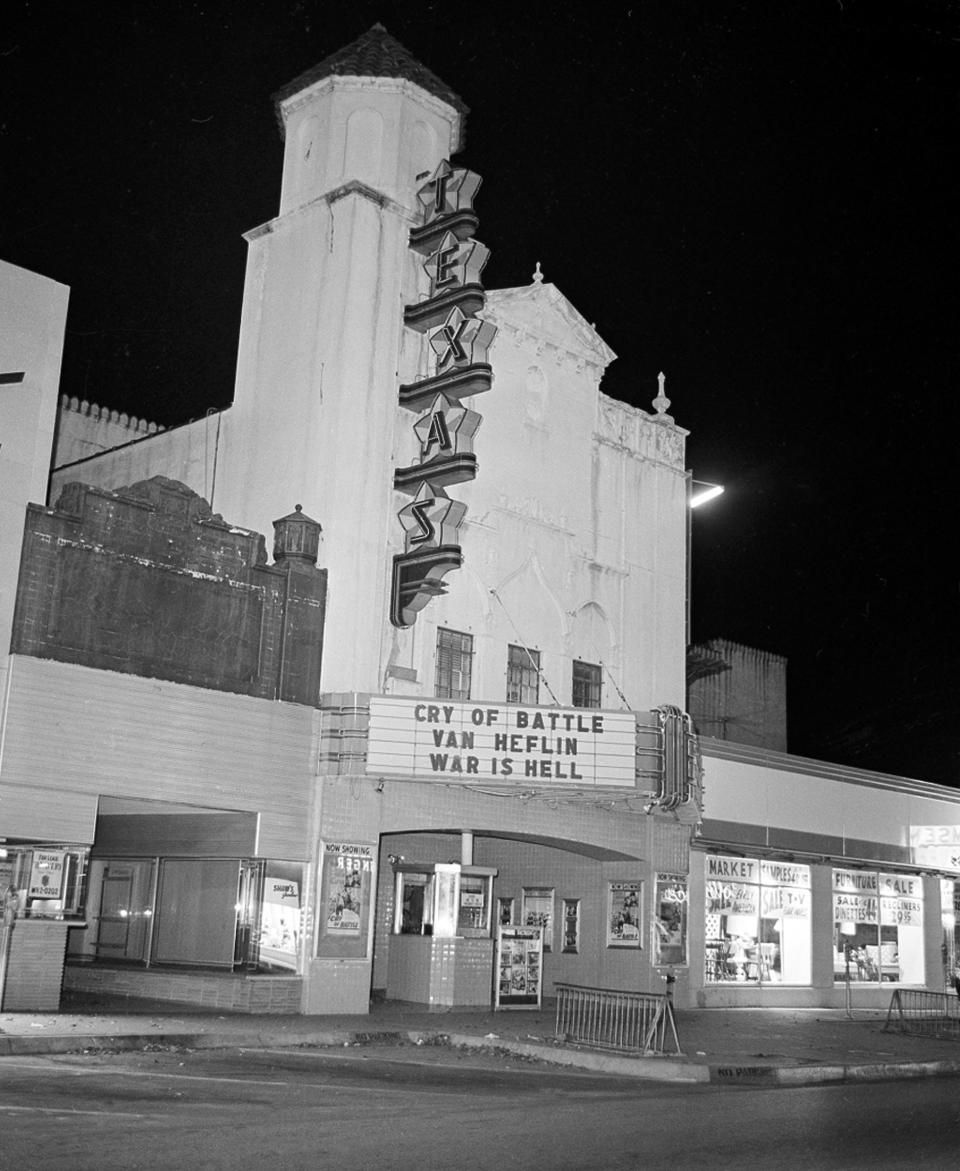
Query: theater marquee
[{"x": 435, "y": 739}]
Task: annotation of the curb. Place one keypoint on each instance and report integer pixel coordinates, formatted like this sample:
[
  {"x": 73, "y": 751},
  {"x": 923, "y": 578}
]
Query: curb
[
  {"x": 660, "y": 1069},
  {"x": 820, "y": 1075},
  {"x": 14, "y": 1046}
]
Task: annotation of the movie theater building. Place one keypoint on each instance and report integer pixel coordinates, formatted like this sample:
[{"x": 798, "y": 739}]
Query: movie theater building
[
  {"x": 502, "y": 786},
  {"x": 477, "y": 749}
]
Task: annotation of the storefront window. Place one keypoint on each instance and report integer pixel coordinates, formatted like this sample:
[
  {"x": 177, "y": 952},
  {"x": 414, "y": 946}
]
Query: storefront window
[
  {"x": 42, "y": 882},
  {"x": 757, "y": 921},
  {"x": 950, "y": 919},
  {"x": 269, "y": 916},
  {"x": 878, "y": 927}
]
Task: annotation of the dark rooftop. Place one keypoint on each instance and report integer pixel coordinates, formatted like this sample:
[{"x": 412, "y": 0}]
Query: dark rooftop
[{"x": 375, "y": 54}]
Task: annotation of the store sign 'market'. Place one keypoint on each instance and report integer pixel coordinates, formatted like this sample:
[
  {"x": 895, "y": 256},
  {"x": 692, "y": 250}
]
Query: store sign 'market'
[{"x": 459, "y": 341}]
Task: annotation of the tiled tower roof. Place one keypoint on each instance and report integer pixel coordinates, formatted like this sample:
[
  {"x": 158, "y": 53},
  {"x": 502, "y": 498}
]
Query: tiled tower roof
[{"x": 375, "y": 54}]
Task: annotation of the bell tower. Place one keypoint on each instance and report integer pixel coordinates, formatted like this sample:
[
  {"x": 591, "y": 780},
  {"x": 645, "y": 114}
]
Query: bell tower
[{"x": 319, "y": 362}]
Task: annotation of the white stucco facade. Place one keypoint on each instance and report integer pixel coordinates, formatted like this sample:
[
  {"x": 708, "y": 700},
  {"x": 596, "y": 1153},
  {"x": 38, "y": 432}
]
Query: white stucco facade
[
  {"x": 574, "y": 539},
  {"x": 33, "y": 310}
]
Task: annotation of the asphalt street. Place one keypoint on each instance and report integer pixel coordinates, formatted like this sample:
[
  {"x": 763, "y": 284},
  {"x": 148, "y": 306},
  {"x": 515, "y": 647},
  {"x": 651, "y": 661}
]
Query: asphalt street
[{"x": 360, "y": 1108}]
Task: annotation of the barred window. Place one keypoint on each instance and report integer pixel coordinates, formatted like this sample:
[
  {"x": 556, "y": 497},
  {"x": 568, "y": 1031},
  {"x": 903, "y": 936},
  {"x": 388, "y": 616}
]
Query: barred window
[
  {"x": 454, "y": 659},
  {"x": 523, "y": 675},
  {"x": 586, "y": 684}
]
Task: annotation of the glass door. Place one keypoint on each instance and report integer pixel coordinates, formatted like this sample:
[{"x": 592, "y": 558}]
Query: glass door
[{"x": 126, "y": 911}]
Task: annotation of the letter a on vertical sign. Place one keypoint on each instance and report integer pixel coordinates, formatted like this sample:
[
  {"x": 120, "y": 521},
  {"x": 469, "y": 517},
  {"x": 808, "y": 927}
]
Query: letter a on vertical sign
[{"x": 445, "y": 433}]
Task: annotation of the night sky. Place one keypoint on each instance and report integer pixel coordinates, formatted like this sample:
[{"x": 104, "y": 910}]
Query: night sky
[{"x": 759, "y": 199}]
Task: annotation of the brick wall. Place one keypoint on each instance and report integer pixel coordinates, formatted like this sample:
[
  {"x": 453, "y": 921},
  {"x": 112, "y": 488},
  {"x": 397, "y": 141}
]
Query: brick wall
[
  {"x": 35, "y": 957},
  {"x": 247, "y": 994},
  {"x": 148, "y": 581}
]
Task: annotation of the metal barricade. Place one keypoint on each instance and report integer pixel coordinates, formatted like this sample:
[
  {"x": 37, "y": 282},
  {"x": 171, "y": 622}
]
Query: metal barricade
[
  {"x": 638, "y": 1022},
  {"x": 927, "y": 1014}
]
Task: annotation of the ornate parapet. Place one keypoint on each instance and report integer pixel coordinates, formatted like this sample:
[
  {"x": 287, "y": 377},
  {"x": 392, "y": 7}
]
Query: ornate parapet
[{"x": 647, "y": 436}]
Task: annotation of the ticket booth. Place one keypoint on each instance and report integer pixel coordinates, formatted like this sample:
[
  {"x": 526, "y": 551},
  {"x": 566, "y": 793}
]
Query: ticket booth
[
  {"x": 441, "y": 947},
  {"x": 40, "y": 900}
]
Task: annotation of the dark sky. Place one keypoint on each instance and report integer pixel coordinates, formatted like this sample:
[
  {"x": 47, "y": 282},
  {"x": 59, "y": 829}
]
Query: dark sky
[{"x": 758, "y": 198}]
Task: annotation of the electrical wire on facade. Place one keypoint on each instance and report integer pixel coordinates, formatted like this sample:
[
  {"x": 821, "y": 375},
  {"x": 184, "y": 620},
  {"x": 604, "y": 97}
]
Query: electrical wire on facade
[
  {"x": 616, "y": 686},
  {"x": 522, "y": 643}
]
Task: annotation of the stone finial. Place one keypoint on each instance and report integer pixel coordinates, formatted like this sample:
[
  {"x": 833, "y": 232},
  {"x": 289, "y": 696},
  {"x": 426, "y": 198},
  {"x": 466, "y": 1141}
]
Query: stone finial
[
  {"x": 537, "y": 275},
  {"x": 661, "y": 403}
]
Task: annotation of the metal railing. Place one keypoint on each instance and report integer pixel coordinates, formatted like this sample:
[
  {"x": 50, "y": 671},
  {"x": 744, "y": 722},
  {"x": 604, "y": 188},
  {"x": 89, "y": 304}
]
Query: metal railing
[
  {"x": 927, "y": 1014},
  {"x": 637, "y": 1022}
]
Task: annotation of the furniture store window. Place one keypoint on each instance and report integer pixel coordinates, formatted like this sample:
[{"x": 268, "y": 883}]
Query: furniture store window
[
  {"x": 757, "y": 921},
  {"x": 523, "y": 675},
  {"x": 878, "y": 927},
  {"x": 950, "y": 922},
  {"x": 586, "y": 684},
  {"x": 454, "y": 663}
]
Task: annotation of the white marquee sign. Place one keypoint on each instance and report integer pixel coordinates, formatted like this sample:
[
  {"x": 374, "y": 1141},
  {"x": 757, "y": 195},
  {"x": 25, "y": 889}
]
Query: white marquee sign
[{"x": 438, "y": 739}]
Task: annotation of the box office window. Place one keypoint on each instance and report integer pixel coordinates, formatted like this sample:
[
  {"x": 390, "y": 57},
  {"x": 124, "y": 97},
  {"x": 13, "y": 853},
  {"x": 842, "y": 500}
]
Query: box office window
[
  {"x": 757, "y": 921},
  {"x": 443, "y": 899},
  {"x": 878, "y": 927},
  {"x": 454, "y": 664},
  {"x": 523, "y": 675}
]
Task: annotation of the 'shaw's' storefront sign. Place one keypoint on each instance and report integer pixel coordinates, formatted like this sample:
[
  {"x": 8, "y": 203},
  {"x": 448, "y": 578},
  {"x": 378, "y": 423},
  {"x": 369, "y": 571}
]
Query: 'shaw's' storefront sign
[{"x": 443, "y": 740}]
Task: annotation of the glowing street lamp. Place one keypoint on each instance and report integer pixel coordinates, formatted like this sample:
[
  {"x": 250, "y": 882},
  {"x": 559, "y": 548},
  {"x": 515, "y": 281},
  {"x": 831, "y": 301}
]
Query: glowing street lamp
[{"x": 700, "y": 492}]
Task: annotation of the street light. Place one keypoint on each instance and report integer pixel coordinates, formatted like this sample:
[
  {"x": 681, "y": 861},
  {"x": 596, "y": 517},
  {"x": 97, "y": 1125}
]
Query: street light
[
  {"x": 698, "y": 493},
  {"x": 701, "y": 492}
]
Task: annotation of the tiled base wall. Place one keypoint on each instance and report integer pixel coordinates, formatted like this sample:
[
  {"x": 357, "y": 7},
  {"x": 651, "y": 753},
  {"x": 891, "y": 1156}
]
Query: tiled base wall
[
  {"x": 253, "y": 994},
  {"x": 34, "y": 951}
]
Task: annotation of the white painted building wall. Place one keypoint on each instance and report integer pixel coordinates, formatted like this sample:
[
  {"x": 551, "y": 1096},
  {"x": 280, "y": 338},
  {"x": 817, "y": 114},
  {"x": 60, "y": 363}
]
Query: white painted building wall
[
  {"x": 187, "y": 453},
  {"x": 33, "y": 312},
  {"x": 573, "y": 542},
  {"x": 93, "y": 429}
]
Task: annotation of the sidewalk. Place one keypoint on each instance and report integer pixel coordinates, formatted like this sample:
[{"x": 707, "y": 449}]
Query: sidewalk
[{"x": 727, "y": 1046}]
